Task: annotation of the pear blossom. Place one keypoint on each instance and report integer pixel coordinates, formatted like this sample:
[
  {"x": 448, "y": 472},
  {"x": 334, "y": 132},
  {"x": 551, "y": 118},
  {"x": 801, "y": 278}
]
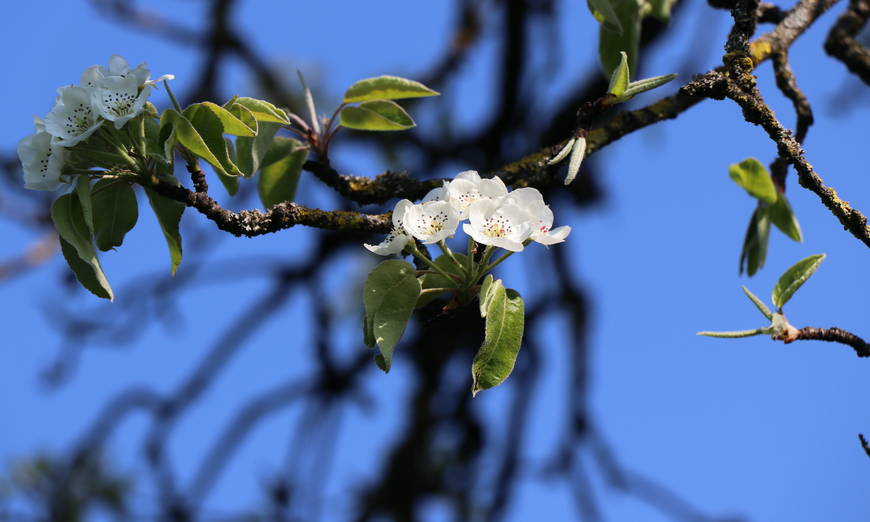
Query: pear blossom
[
  {"x": 73, "y": 118},
  {"x": 505, "y": 225},
  {"x": 41, "y": 159},
  {"x": 431, "y": 221},
  {"x": 118, "y": 67},
  {"x": 397, "y": 238},
  {"x": 120, "y": 99},
  {"x": 540, "y": 217},
  {"x": 469, "y": 187}
]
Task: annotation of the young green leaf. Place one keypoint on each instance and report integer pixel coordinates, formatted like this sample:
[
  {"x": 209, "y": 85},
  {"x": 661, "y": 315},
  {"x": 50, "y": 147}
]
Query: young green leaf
[
  {"x": 115, "y": 212},
  {"x": 754, "y": 253},
  {"x": 647, "y": 84},
  {"x": 494, "y": 361},
  {"x": 211, "y": 130},
  {"x": 487, "y": 291},
  {"x": 603, "y": 12},
  {"x": 230, "y": 124},
  {"x": 619, "y": 77},
  {"x": 279, "y": 174},
  {"x": 793, "y": 278},
  {"x": 83, "y": 193},
  {"x": 754, "y": 178},
  {"x": 377, "y": 115},
  {"x": 611, "y": 41},
  {"x": 783, "y": 217},
  {"x": 390, "y": 293},
  {"x": 89, "y": 275},
  {"x": 168, "y": 214},
  {"x": 187, "y": 135},
  {"x": 386, "y": 88},
  {"x": 66, "y": 213},
  {"x": 737, "y": 333},
  {"x": 261, "y": 109},
  {"x": 309, "y": 103},
  {"x": 758, "y": 304}
]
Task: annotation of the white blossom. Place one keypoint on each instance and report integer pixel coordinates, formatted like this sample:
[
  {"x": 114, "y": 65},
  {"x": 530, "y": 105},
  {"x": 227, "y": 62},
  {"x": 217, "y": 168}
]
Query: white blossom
[
  {"x": 398, "y": 236},
  {"x": 540, "y": 217},
  {"x": 469, "y": 187},
  {"x": 119, "y": 99},
  {"x": 431, "y": 221},
  {"x": 73, "y": 118},
  {"x": 118, "y": 68},
  {"x": 505, "y": 225},
  {"x": 41, "y": 160}
]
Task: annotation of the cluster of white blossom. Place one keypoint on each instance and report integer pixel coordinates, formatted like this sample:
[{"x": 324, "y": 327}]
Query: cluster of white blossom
[
  {"x": 115, "y": 94},
  {"x": 495, "y": 216}
]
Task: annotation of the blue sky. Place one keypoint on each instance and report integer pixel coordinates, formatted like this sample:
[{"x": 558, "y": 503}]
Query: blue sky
[{"x": 744, "y": 427}]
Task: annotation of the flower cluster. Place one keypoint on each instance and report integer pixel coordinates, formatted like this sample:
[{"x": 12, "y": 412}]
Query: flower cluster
[
  {"x": 114, "y": 94},
  {"x": 496, "y": 217}
]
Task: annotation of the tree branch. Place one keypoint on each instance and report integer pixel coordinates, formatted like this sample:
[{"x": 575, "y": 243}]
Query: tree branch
[
  {"x": 841, "y": 42},
  {"x": 833, "y": 335}
]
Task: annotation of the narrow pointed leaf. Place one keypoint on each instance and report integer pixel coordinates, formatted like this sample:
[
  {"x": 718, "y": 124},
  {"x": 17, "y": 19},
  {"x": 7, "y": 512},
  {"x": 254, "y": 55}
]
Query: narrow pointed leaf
[
  {"x": 563, "y": 152},
  {"x": 115, "y": 212},
  {"x": 309, "y": 103},
  {"x": 494, "y": 361},
  {"x": 758, "y": 303},
  {"x": 168, "y": 214},
  {"x": 619, "y": 77},
  {"x": 736, "y": 334},
  {"x": 783, "y": 217},
  {"x": 389, "y": 296},
  {"x": 794, "y": 278},
  {"x": 386, "y": 88},
  {"x": 279, "y": 175},
  {"x": 578, "y": 152},
  {"x": 647, "y": 84},
  {"x": 754, "y": 253},
  {"x": 754, "y": 178},
  {"x": 377, "y": 115},
  {"x": 80, "y": 254}
]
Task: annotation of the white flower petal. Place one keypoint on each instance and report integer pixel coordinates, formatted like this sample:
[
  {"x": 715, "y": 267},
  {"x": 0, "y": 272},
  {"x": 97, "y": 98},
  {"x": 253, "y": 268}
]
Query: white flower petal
[
  {"x": 577, "y": 154},
  {"x": 41, "y": 161},
  {"x": 73, "y": 118},
  {"x": 119, "y": 99},
  {"x": 432, "y": 221},
  {"x": 393, "y": 244}
]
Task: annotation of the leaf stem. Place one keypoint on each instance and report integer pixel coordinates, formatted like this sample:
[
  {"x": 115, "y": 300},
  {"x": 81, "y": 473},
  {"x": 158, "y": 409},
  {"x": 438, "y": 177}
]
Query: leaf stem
[
  {"x": 431, "y": 264},
  {"x": 171, "y": 96}
]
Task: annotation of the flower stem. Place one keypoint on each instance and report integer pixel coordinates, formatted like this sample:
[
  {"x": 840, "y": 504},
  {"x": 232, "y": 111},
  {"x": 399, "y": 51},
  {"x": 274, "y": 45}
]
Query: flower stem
[
  {"x": 449, "y": 253},
  {"x": 431, "y": 264},
  {"x": 172, "y": 96},
  {"x": 488, "y": 268}
]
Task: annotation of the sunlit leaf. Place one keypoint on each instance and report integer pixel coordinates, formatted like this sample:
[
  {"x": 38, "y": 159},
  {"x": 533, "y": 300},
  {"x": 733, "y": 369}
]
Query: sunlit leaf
[
  {"x": 168, "y": 214},
  {"x": 619, "y": 77},
  {"x": 783, "y": 217},
  {"x": 793, "y": 278},
  {"x": 389, "y": 296},
  {"x": 80, "y": 254},
  {"x": 754, "y": 178},
  {"x": 377, "y": 115},
  {"x": 758, "y": 303},
  {"x": 603, "y": 12},
  {"x": 737, "y": 333},
  {"x": 386, "y": 88},
  {"x": 505, "y": 318}
]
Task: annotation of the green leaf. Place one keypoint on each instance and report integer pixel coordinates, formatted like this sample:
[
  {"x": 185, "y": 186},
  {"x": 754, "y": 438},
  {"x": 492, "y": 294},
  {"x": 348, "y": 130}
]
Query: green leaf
[
  {"x": 494, "y": 361},
  {"x": 66, "y": 213},
  {"x": 487, "y": 291},
  {"x": 758, "y": 304},
  {"x": 90, "y": 276},
  {"x": 279, "y": 175},
  {"x": 754, "y": 253},
  {"x": 793, "y": 278},
  {"x": 377, "y": 115},
  {"x": 604, "y": 14},
  {"x": 168, "y": 214},
  {"x": 737, "y": 333},
  {"x": 188, "y": 136},
  {"x": 115, "y": 212},
  {"x": 386, "y": 88},
  {"x": 251, "y": 151},
  {"x": 647, "y": 84},
  {"x": 83, "y": 193},
  {"x": 262, "y": 110},
  {"x": 783, "y": 217},
  {"x": 619, "y": 78},
  {"x": 389, "y": 296},
  {"x": 230, "y": 123},
  {"x": 211, "y": 130},
  {"x": 611, "y": 42},
  {"x": 754, "y": 178},
  {"x": 439, "y": 281}
]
